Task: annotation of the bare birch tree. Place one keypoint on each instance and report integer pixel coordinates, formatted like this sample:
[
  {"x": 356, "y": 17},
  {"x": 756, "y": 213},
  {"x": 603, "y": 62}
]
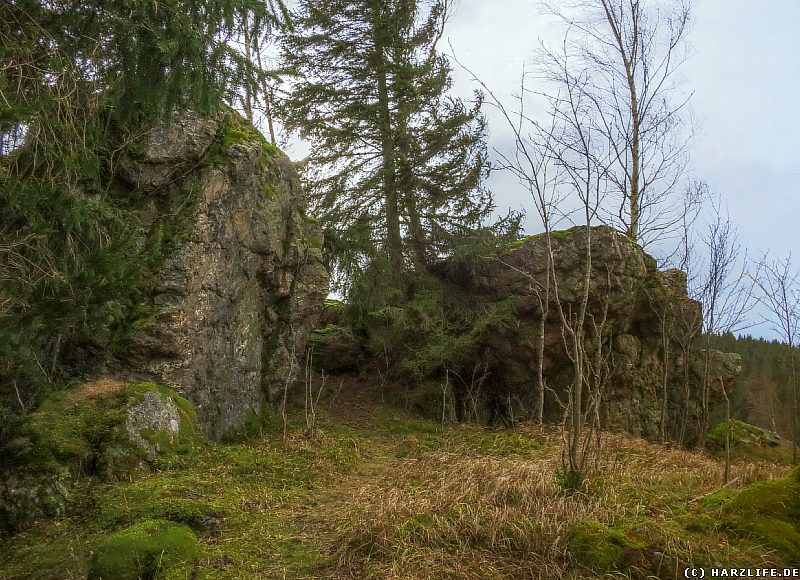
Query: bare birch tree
[
  {"x": 779, "y": 292},
  {"x": 629, "y": 54},
  {"x": 726, "y": 293},
  {"x": 531, "y": 161}
]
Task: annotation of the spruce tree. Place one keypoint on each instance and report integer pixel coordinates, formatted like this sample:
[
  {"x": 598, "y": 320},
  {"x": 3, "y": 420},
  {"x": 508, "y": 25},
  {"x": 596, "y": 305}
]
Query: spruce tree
[
  {"x": 396, "y": 174},
  {"x": 79, "y": 82},
  {"x": 396, "y": 163}
]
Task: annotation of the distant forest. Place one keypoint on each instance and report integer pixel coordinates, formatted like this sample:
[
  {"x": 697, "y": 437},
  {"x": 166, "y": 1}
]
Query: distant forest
[{"x": 763, "y": 394}]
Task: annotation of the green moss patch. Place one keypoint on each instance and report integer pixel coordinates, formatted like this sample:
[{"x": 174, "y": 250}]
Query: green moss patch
[
  {"x": 189, "y": 436},
  {"x": 252, "y": 425},
  {"x": 505, "y": 443},
  {"x": 741, "y": 434},
  {"x": 145, "y": 550},
  {"x": 313, "y": 241},
  {"x": 85, "y": 432},
  {"x": 599, "y": 547},
  {"x": 332, "y": 303},
  {"x": 769, "y": 511},
  {"x": 556, "y": 234},
  {"x": 235, "y": 129}
]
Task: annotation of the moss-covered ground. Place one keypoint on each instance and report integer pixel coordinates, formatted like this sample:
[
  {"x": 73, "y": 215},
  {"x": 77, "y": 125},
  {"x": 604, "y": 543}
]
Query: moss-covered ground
[{"x": 370, "y": 491}]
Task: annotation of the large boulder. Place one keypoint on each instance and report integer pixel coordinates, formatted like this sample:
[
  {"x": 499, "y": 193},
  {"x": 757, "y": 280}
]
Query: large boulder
[
  {"x": 638, "y": 318},
  {"x": 238, "y": 278}
]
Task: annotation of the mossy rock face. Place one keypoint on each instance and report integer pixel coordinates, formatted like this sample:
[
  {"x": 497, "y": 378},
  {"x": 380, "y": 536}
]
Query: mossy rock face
[
  {"x": 335, "y": 349},
  {"x": 160, "y": 422},
  {"x": 769, "y": 511},
  {"x": 252, "y": 425},
  {"x": 149, "y": 549},
  {"x": 554, "y": 234},
  {"x": 103, "y": 429},
  {"x": 741, "y": 435},
  {"x": 598, "y": 547},
  {"x": 108, "y": 428}
]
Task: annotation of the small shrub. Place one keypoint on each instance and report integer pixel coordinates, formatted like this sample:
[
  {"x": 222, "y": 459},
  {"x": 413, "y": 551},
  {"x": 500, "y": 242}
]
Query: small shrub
[{"x": 569, "y": 481}]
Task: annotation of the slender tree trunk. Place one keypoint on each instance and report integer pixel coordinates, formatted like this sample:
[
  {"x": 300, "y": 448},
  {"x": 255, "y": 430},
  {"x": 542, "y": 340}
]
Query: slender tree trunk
[
  {"x": 394, "y": 242},
  {"x": 579, "y": 337},
  {"x": 706, "y": 392},
  {"x": 268, "y": 113},
  {"x": 627, "y": 53},
  {"x": 248, "y": 89},
  {"x": 544, "y": 304},
  {"x": 664, "y": 379},
  {"x": 794, "y": 400},
  {"x": 576, "y": 416},
  {"x": 686, "y": 395},
  {"x": 727, "y": 474},
  {"x": 417, "y": 233},
  {"x": 268, "y": 97}
]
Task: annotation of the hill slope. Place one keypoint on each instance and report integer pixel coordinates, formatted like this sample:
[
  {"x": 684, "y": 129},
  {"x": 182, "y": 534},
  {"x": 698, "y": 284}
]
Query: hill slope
[{"x": 372, "y": 492}]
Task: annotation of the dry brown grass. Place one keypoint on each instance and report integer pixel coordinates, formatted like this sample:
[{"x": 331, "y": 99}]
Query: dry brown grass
[
  {"x": 458, "y": 514},
  {"x": 95, "y": 389}
]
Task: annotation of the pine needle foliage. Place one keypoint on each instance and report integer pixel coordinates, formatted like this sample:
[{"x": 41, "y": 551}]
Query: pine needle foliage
[
  {"x": 396, "y": 164},
  {"x": 395, "y": 175},
  {"x": 80, "y": 83}
]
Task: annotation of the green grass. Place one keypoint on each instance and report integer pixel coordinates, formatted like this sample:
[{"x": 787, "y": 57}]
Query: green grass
[
  {"x": 244, "y": 487},
  {"x": 372, "y": 492}
]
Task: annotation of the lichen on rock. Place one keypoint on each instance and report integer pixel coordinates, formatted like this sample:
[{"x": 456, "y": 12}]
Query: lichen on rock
[
  {"x": 631, "y": 304},
  {"x": 241, "y": 282}
]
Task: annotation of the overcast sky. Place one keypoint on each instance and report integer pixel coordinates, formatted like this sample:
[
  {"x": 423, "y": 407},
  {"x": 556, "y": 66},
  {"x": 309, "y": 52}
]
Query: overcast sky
[{"x": 744, "y": 72}]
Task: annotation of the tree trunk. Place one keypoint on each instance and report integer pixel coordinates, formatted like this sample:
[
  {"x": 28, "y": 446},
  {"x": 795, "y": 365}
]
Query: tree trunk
[
  {"x": 794, "y": 400},
  {"x": 248, "y": 89},
  {"x": 727, "y": 473},
  {"x": 665, "y": 377},
  {"x": 706, "y": 392},
  {"x": 394, "y": 242},
  {"x": 627, "y": 54},
  {"x": 544, "y": 303}
]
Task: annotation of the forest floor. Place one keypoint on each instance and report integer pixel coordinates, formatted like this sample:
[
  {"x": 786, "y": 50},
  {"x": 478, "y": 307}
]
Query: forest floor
[{"x": 366, "y": 490}]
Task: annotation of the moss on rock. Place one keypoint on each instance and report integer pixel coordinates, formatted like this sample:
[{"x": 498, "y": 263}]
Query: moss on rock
[
  {"x": 250, "y": 426},
  {"x": 148, "y": 549},
  {"x": 104, "y": 429},
  {"x": 557, "y": 234},
  {"x": 90, "y": 431},
  {"x": 769, "y": 511},
  {"x": 335, "y": 349},
  {"x": 741, "y": 434},
  {"x": 596, "y": 546},
  {"x": 188, "y": 435}
]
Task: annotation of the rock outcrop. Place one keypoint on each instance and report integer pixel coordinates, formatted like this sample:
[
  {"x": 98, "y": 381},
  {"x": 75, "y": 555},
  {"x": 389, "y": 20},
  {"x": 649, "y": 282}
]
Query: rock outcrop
[
  {"x": 637, "y": 321},
  {"x": 238, "y": 279}
]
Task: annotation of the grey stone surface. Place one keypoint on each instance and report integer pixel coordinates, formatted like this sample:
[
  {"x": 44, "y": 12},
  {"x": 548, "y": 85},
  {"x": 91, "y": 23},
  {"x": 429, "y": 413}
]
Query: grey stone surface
[
  {"x": 628, "y": 297},
  {"x": 156, "y": 413},
  {"x": 243, "y": 282}
]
